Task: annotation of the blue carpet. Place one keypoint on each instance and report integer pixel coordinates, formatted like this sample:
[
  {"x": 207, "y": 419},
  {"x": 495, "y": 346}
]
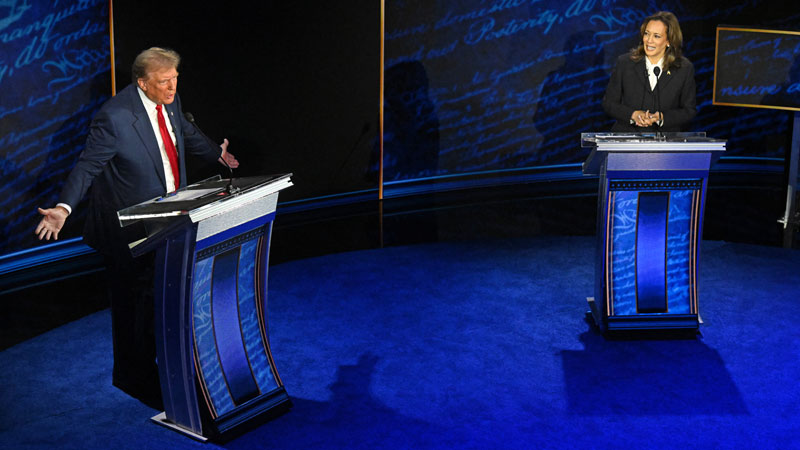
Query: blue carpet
[{"x": 479, "y": 344}]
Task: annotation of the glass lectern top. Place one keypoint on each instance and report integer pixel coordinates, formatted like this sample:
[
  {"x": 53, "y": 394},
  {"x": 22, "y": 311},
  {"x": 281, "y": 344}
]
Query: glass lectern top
[
  {"x": 199, "y": 195},
  {"x": 592, "y": 139}
]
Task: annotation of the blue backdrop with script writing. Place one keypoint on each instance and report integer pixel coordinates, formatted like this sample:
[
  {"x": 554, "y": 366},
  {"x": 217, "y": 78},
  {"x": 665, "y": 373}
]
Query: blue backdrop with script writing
[
  {"x": 471, "y": 86},
  {"x": 483, "y": 85},
  {"x": 54, "y": 75}
]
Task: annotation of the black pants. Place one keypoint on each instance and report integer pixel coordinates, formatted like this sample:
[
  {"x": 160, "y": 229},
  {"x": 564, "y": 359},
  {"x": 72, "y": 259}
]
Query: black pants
[{"x": 131, "y": 294}]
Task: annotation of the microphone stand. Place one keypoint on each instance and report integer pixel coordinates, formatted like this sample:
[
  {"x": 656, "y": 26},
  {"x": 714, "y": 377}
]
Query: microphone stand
[
  {"x": 659, "y": 134},
  {"x": 230, "y": 188}
]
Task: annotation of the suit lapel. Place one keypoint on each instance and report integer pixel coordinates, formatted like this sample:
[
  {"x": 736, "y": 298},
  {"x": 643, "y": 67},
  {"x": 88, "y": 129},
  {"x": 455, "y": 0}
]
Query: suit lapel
[
  {"x": 141, "y": 123},
  {"x": 641, "y": 73},
  {"x": 666, "y": 77}
]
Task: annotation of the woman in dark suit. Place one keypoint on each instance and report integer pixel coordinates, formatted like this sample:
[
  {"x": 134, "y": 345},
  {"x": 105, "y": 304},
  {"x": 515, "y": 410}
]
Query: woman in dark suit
[{"x": 653, "y": 85}]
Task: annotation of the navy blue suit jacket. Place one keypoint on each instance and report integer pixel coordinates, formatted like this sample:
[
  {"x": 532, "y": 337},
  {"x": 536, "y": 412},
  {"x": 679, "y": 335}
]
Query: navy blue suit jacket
[
  {"x": 122, "y": 164},
  {"x": 628, "y": 91}
]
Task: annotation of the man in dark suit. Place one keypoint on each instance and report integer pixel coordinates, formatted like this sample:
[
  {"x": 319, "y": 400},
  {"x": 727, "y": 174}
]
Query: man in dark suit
[
  {"x": 653, "y": 85},
  {"x": 135, "y": 151}
]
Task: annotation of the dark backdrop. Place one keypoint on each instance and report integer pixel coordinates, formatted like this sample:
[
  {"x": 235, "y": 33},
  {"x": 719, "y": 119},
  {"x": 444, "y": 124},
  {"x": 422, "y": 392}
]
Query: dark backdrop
[{"x": 293, "y": 85}]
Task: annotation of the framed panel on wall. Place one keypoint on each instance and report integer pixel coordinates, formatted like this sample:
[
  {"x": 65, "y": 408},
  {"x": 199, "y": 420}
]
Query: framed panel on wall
[{"x": 757, "y": 68}]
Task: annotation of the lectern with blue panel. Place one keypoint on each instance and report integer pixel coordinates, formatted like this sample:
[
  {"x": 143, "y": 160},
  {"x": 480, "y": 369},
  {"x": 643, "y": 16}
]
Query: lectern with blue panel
[
  {"x": 650, "y": 215},
  {"x": 211, "y": 241}
]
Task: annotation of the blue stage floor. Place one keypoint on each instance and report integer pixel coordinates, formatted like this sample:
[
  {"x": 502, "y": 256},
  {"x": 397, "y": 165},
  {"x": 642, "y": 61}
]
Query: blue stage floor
[{"x": 475, "y": 344}]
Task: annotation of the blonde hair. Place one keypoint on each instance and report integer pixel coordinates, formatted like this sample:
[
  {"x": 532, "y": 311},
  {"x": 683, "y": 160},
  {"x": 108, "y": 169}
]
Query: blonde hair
[{"x": 152, "y": 58}]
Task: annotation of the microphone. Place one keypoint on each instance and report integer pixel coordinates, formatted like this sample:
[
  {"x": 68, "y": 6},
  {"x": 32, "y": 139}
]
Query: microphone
[
  {"x": 657, "y": 72},
  {"x": 230, "y": 189}
]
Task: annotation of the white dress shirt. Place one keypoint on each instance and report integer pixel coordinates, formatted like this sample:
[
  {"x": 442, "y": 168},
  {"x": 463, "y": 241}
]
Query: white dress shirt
[
  {"x": 651, "y": 76},
  {"x": 152, "y": 113}
]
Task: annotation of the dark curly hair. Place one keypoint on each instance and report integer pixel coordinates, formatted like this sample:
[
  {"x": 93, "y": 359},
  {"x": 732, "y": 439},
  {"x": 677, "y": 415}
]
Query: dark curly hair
[{"x": 672, "y": 56}]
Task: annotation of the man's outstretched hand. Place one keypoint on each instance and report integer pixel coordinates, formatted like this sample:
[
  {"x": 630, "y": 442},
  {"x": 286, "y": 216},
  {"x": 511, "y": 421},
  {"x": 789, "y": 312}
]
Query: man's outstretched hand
[
  {"x": 227, "y": 159},
  {"x": 52, "y": 221}
]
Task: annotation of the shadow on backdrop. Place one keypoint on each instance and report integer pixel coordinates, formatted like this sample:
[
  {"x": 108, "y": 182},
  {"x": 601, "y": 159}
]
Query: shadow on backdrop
[
  {"x": 570, "y": 100},
  {"x": 411, "y": 125}
]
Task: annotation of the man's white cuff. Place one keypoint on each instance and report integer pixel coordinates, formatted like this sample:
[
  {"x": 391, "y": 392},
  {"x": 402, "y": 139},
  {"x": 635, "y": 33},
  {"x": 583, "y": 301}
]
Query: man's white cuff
[{"x": 65, "y": 206}]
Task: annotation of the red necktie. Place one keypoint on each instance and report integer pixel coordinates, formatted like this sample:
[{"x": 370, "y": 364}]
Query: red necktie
[{"x": 169, "y": 146}]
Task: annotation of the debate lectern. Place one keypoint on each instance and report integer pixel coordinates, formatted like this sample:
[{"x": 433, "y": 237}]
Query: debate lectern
[
  {"x": 649, "y": 226},
  {"x": 211, "y": 243}
]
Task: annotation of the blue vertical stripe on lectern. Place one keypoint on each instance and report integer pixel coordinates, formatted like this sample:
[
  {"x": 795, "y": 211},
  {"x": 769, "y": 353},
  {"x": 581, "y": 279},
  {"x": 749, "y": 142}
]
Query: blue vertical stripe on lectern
[
  {"x": 224, "y": 305},
  {"x": 205, "y": 344},
  {"x": 651, "y": 252},
  {"x": 679, "y": 252},
  {"x": 251, "y": 331}
]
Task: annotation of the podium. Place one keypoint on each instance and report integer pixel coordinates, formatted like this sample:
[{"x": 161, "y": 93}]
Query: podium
[
  {"x": 651, "y": 197},
  {"x": 211, "y": 243}
]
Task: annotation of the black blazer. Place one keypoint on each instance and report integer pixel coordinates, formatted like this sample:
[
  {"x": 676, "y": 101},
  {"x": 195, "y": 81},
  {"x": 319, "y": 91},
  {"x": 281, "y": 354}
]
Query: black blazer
[
  {"x": 628, "y": 91},
  {"x": 122, "y": 164}
]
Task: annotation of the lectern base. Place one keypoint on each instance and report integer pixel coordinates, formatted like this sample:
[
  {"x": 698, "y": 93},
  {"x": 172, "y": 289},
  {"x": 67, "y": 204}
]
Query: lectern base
[
  {"x": 243, "y": 419},
  {"x": 595, "y": 314},
  {"x": 678, "y": 323},
  {"x": 162, "y": 420}
]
